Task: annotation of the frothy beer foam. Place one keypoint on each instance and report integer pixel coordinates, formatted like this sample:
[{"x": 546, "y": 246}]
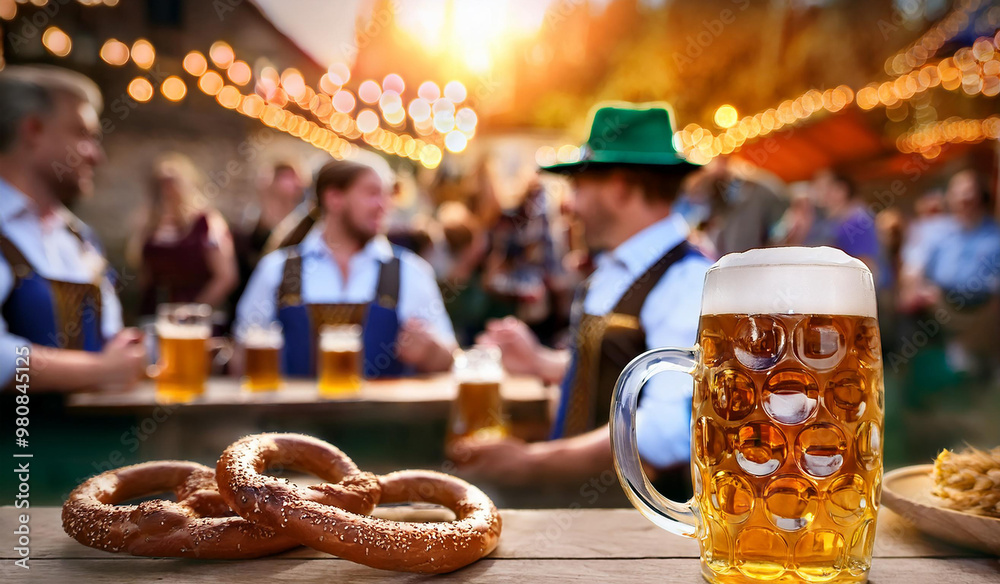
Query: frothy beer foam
[
  {"x": 171, "y": 330},
  {"x": 789, "y": 280},
  {"x": 338, "y": 339},
  {"x": 261, "y": 338}
]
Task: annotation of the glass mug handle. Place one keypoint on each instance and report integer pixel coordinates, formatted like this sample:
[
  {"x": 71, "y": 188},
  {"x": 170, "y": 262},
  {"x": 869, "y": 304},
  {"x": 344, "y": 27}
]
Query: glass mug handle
[{"x": 670, "y": 515}]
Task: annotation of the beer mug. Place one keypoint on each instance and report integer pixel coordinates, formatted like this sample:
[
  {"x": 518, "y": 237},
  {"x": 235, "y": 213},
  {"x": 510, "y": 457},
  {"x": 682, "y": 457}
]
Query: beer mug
[
  {"x": 341, "y": 356},
  {"x": 477, "y": 410},
  {"x": 183, "y": 331},
  {"x": 787, "y": 419},
  {"x": 262, "y": 356}
]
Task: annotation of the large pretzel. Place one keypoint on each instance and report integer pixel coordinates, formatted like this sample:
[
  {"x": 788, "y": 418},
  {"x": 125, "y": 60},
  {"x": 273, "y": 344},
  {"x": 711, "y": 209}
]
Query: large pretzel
[
  {"x": 198, "y": 525},
  {"x": 259, "y": 497},
  {"x": 349, "y": 533}
]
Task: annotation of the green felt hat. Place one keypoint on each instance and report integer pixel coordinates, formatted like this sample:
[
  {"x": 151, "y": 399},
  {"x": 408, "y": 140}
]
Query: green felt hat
[{"x": 628, "y": 134}]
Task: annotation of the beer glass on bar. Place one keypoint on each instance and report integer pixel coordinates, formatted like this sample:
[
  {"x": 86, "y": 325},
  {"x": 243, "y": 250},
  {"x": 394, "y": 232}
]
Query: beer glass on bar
[
  {"x": 477, "y": 411},
  {"x": 262, "y": 346},
  {"x": 341, "y": 355},
  {"x": 787, "y": 419},
  {"x": 183, "y": 364}
]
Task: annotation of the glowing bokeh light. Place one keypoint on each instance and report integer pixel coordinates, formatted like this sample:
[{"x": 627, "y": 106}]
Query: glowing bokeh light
[
  {"x": 140, "y": 89},
  {"x": 393, "y": 82},
  {"x": 726, "y": 116},
  {"x": 56, "y": 41},
  {"x": 390, "y": 102},
  {"x": 455, "y": 141},
  {"x": 221, "y": 54},
  {"x": 455, "y": 91},
  {"x": 229, "y": 97},
  {"x": 239, "y": 72},
  {"x": 367, "y": 121},
  {"x": 195, "y": 63},
  {"x": 430, "y": 156},
  {"x": 143, "y": 53},
  {"x": 114, "y": 52},
  {"x": 429, "y": 91},
  {"x": 343, "y": 101},
  {"x": 419, "y": 110},
  {"x": 211, "y": 83},
  {"x": 173, "y": 88},
  {"x": 369, "y": 91}
]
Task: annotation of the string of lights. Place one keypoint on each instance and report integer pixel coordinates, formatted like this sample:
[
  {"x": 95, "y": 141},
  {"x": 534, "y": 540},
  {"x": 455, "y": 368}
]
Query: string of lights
[
  {"x": 928, "y": 139},
  {"x": 333, "y": 104},
  {"x": 8, "y": 8},
  {"x": 440, "y": 117},
  {"x": 924, "y": 48},
  {"x": 975, "y": 70}
]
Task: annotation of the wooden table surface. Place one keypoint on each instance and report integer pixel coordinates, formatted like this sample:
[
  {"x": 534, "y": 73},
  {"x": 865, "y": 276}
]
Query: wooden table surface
[
  {"x": 560, "y": 545},
  {"x": 429, "y": 395}
]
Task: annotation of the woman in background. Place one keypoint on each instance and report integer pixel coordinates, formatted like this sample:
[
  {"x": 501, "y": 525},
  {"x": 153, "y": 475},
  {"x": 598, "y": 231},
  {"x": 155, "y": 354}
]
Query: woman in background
[{"x": 183, "y": 250}]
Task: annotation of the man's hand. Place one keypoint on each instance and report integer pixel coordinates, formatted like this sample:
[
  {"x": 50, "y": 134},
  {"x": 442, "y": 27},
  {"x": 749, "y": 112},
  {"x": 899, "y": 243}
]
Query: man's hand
[
  {"x": 522, "y": 353},
  {"x": 506, "y": 460},
  {"x": 123, "y": 360},
  {"x": 519, "y": 346},
  {"x": 418, "y": 346}
]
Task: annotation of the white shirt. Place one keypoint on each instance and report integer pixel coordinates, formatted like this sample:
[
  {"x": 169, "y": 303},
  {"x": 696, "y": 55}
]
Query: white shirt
[
  {"x": 323, "y": 283},
  {"x": 670, "y": 319},
  {"x": 55, "y": 254}
]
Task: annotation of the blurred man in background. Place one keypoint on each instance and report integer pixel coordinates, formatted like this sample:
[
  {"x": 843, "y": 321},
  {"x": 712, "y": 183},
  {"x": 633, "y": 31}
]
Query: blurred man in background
[
  {"x": 644, "y": 293},
  {"x": 961, "y": 277},
  {"x": 58, "y": 296},
  {"x": 345, "y": 271},
  {"x": 930, "y": 223}
]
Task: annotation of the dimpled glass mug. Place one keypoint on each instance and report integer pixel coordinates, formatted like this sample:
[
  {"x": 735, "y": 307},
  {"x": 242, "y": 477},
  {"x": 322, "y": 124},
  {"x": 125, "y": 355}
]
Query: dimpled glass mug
[{"x": 787, "y": 418}]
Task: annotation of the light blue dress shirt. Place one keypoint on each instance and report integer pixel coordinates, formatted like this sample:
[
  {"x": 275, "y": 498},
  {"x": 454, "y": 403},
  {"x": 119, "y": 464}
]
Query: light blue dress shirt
[
  {"x": 56, "y": 254},
  {"x": 922, "y": 236},
  {"x": 967, "y": 261},
  {"x": 670, "y": 318},
  {"x": 323, "y": 283}
]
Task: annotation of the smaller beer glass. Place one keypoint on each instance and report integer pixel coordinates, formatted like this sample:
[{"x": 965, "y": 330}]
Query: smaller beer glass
[
  {"x": 340, "y": 360},
  {"x": 262, "y": 357},
  {"x": 182, "y": 368},
  {"x": 477, "y": 411}
]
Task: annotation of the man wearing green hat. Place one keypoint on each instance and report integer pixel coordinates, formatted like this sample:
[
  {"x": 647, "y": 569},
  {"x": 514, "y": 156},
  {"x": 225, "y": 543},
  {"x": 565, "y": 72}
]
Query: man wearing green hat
[{"x": 644, "y": 293}]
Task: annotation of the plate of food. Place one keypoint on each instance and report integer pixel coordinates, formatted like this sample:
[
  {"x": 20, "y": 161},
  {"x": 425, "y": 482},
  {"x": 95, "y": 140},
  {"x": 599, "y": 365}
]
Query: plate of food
[{"x": 956, "y": 499}]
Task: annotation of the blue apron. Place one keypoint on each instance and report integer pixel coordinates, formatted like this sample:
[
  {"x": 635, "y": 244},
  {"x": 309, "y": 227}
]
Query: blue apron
[
  {"x": 51, "y": 313},
  {"x": 301, "y": 322},
  {"x": 602, "y": 347}
]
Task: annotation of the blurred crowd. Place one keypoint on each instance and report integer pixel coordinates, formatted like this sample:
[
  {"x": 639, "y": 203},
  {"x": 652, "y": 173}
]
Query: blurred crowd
[{"x": 503, "y": 275}]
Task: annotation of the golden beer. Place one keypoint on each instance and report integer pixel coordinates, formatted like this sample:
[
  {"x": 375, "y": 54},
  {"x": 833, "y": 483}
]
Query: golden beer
[
  {"x": 787, "y": 420},
  {"x": 263, "y": 369},
  {"x": 341, "y": 358},
  {"x": 787, "y": 458},
  {"x": 262, "y": 357},
  {"x": 182, "y": 366},
  {"x": 477, "y": 411}
]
